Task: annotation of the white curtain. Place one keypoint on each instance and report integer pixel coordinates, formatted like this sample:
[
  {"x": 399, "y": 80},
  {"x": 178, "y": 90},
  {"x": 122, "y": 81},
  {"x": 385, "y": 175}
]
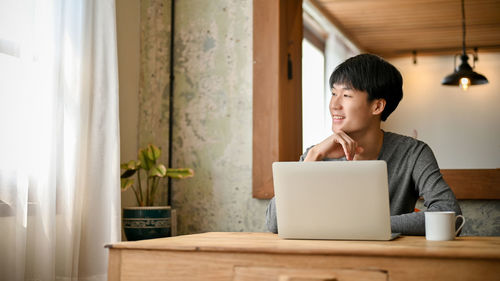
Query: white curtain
[{"x": 59, "y": 139}]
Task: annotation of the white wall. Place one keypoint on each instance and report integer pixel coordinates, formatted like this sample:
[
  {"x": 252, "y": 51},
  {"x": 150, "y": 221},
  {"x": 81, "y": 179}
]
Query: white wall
[{"x": 462, "y": 127}]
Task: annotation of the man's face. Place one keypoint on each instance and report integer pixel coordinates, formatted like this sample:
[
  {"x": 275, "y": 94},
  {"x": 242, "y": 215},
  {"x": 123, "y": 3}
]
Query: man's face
[{"x": 350, "y": 110}]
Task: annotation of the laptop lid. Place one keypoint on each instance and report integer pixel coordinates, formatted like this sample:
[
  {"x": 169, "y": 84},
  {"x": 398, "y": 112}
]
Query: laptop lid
[{"x": 345, "y": 200}]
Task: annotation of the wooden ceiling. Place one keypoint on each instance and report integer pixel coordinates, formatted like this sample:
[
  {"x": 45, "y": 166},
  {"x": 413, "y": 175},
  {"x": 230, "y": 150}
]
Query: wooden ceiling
[{"x": 397, "y": 27}]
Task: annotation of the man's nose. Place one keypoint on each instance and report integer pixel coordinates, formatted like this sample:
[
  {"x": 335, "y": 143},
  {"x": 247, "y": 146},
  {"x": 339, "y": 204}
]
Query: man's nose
[{"x": 335, "y": 103}]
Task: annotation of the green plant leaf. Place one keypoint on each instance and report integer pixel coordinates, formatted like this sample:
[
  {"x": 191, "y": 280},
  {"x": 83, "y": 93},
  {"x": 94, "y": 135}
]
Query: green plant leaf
[
  {"x": 134, "y": 164},
  {"x": 180, "y": 173},
  {"x": 126, "y": 183},
  {"x": 158, "y": 171},
  {"x": 128, "y": 174},
  {"x": 144, "y": 160},
  {"x": 153, "y": 152},
  {"x": 147, "y": 158},
  {"x": 130, "y": 165}
]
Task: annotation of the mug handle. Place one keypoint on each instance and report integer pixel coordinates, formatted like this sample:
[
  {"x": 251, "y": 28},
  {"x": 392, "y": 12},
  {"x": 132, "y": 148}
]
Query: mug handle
[{"x": 462, "y": 225}]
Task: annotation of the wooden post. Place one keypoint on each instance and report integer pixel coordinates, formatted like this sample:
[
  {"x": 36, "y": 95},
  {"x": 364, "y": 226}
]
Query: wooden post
[{"x": 277, "y": 88}]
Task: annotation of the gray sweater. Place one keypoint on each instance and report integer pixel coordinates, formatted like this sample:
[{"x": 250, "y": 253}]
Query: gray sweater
[{"x": 412, "y": 172}]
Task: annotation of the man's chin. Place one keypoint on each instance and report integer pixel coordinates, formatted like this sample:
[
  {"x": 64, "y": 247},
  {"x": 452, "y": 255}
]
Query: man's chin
[
  {"x": 336, "y": 128},
  {"x": 342, "y": 129}
]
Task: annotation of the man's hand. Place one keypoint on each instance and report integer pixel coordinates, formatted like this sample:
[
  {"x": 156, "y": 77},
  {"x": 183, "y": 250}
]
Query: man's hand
[{"x": 337, "y": 145}]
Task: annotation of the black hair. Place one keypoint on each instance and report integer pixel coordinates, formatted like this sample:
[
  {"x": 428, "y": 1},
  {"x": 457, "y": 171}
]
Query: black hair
[{"x": 371, "y": 73}]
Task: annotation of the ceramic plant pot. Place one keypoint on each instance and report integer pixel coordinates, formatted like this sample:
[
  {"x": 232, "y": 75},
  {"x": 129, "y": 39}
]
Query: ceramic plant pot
[{"x": 141, "y": 223}]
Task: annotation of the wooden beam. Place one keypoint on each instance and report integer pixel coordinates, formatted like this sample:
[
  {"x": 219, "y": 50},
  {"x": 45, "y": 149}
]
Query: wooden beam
[
  {"x": 277, "y": 89},
  {"x": 265, "y": 95},
  {"x": 474, "y": 183}
]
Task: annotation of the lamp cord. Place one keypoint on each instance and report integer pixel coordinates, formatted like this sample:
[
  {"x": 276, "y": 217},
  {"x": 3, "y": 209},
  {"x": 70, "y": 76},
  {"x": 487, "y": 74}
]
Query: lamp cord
[{"x": 463, "y": 27}]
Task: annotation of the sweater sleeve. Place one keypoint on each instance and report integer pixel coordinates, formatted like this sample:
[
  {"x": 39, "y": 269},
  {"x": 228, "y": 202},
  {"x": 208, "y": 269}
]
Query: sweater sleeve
[
  {"x": 271, "y": 220},
  {"x": 430, "y": 185}
]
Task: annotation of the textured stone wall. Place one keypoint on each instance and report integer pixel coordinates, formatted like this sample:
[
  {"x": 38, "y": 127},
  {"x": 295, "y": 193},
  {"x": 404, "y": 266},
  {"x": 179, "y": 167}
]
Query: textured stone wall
[
  {"x": 482, "y": 217},
  {"x": 213, "y": 117},
  {"x": 154, "y": 81},
  {"x": 154, "y": 78}
]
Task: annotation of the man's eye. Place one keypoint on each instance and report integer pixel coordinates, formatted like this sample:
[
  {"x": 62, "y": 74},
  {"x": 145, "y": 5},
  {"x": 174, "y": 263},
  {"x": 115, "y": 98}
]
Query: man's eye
[
  {"x": 334, "y": 94},
  {"x": 347, "y": 96}
]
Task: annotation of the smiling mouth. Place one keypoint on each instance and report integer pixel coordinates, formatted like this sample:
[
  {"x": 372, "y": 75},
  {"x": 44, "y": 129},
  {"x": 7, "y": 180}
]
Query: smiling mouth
[{"x": 338, "y": 117}]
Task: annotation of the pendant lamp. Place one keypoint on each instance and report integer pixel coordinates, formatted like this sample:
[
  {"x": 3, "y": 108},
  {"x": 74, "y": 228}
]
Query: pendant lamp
[{"x": 463, "y": 75}]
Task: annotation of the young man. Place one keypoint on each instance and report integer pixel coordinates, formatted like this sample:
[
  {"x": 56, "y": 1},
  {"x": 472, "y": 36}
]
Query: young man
[{"x": 365, "y": 91}]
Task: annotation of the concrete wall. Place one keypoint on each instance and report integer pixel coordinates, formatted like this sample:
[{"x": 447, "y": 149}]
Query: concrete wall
[
  {"x": 213, "y": 117},
  {"x": 213, "y": 109}
]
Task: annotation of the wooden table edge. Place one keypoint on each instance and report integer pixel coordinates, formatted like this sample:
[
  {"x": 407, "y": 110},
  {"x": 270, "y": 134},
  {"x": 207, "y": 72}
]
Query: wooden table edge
[{"x": 196, "y": 243}]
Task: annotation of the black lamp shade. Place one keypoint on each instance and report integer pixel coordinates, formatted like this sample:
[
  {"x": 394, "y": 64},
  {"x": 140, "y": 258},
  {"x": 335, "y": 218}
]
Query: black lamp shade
[{"x": 464, "y": 70}]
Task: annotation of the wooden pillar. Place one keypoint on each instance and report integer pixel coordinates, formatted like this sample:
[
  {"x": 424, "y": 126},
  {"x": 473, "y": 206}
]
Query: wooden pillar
[{"x": 277, "y": 88}]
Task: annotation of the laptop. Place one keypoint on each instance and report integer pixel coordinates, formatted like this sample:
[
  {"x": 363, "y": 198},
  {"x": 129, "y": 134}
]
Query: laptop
[{"x": 339, "y": 200}]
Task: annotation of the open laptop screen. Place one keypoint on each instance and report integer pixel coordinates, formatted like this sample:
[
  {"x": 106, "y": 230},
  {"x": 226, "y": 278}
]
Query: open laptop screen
[{"x": 347, "y": 200}]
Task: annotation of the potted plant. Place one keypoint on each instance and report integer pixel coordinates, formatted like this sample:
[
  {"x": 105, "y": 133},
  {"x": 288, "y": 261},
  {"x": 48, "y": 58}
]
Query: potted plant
[{"x": 148, "y": 221}]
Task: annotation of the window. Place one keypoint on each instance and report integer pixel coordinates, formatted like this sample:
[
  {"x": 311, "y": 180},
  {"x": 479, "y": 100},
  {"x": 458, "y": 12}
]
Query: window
[
  {"x": 19, "y": 99},
  {"x": 315, "y": 116}
]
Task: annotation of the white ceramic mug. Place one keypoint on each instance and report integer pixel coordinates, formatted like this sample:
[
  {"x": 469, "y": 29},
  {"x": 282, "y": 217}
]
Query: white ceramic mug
[{"x": 440, "y": 226}]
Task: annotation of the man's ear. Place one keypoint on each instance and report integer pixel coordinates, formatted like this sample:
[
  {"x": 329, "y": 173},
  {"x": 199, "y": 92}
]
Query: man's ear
[{"x": 378, "y": 106}]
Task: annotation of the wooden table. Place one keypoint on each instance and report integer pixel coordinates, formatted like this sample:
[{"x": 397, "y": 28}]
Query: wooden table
[{"x": 263, "y": 256}]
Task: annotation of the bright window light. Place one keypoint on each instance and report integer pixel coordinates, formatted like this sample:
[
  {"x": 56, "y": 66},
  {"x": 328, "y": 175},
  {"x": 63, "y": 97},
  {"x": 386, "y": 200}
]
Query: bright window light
[{"x": 314, "y": 102}]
